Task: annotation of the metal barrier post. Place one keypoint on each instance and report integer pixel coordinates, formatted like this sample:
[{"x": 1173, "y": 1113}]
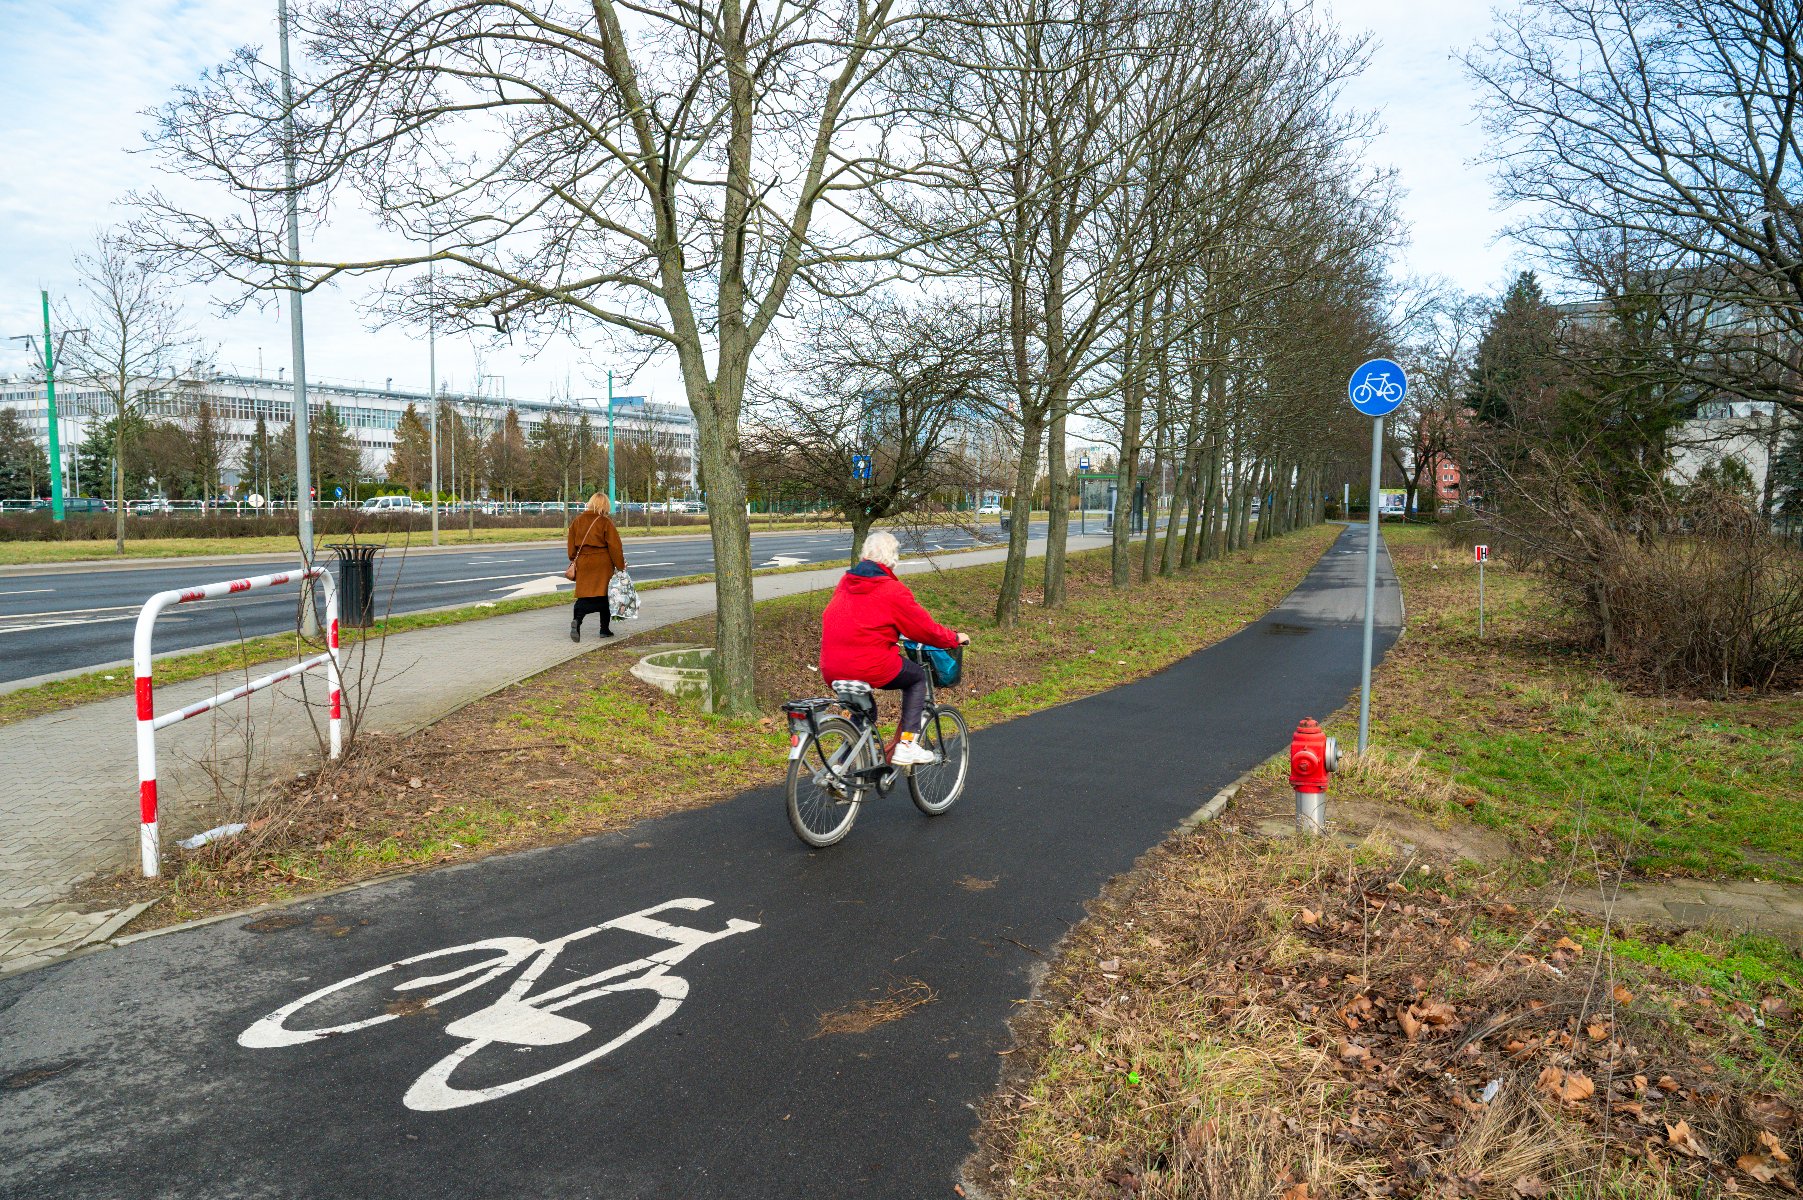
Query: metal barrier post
[{"x": 148, "y": 722}]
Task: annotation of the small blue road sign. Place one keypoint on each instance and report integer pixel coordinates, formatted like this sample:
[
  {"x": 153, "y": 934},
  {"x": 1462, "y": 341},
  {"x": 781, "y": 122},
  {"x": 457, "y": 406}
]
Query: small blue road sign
[
  {"x": 338, "y": 492},
  {"x": 1083, "y": 462},
  {"x": 862, "y": 467},
  {"x": 1376, "y": 388}
]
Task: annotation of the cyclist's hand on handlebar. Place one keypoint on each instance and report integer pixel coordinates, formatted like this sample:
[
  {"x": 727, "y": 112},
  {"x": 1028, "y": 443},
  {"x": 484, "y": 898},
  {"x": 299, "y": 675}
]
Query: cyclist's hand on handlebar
[{"x": 964, "y": 639}]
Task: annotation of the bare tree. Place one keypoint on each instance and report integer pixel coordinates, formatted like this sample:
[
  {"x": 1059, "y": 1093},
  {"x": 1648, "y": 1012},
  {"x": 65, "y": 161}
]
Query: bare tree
[
  {"x": 1655, "y": 146},
  {"x": 135, "y": 345},
  {"x": 1439, "y": 338},
  {"x": 902, "y": 385},
  {"x": 672, "y": 172}
]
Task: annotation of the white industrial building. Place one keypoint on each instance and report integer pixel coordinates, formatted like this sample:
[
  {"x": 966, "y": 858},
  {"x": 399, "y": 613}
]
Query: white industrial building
[{"x": 371, "y": 414}]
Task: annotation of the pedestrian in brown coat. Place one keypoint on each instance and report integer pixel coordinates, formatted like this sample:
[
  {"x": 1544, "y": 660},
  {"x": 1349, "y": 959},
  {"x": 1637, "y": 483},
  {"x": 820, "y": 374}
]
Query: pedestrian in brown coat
[{"x": 593, "y": 542}]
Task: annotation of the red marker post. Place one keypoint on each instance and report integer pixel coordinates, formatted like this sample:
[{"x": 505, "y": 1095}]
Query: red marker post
[{"x": 1483, "y": 556}]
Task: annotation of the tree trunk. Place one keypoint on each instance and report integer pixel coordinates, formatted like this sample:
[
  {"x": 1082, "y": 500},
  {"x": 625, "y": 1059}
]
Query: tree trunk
[
  {"x": 1026, "y": 476},
  {"x": 716, "y": 410},
  {"x": 1058, "y": 517},
  {"x": 860, "y": 529},
  {"x": 1155, "y": 485},
  {"x": 119, "y": 480}
]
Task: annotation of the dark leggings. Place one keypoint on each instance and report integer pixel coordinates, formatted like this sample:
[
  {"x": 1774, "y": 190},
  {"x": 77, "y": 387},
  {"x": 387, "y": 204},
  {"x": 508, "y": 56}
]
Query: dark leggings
[
  {"x": 911, "y": 682},
  {"x": 593, "y": 604}
]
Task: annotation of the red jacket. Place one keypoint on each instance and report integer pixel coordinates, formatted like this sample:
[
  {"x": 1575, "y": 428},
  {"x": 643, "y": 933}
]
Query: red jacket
[{"x": 869, "y": 611}]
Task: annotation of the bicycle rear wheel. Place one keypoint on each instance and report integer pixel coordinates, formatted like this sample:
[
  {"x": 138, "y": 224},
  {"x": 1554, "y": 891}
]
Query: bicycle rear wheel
[
  {"x": 937, "y": 786},
  {"x": 823, "y": 802}
]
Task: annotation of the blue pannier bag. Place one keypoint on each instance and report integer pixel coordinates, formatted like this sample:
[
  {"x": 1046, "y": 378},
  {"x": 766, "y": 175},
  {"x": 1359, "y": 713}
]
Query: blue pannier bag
[{"x": 947, "y": 666}]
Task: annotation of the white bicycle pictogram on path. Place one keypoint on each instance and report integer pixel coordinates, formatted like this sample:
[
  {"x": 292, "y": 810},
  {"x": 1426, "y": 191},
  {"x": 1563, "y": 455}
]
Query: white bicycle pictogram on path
[{"x": 517, "y": 1018}]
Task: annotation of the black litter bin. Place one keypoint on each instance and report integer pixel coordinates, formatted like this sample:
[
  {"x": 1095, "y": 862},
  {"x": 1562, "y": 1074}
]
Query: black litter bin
[
  {"x": 1007, "y": 525},
  {"x": 356, "y": 583}
]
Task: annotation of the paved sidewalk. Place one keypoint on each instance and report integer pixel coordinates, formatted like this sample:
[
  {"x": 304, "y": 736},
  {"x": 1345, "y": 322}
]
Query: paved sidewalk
[{"x": 68, "y": 780}]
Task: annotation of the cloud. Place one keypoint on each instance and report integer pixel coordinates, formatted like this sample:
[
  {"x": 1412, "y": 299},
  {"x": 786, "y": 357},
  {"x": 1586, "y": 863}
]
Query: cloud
[{"x": 1418, "y": 87}]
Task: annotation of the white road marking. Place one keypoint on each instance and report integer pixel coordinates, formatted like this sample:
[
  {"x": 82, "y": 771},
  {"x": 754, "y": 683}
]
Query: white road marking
[
  {"x": 480, "y": 579},
  {"x": 28, "y": 592},
  {"x": 785, "y": 560},
  {"x": 542, "y": 586},
  {"x": 515, "y": 1019}
]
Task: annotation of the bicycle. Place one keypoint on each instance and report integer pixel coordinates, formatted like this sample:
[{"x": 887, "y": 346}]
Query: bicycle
[
  {"x": 1383, "y": 389},
  {"x": 836, "y": 758}
]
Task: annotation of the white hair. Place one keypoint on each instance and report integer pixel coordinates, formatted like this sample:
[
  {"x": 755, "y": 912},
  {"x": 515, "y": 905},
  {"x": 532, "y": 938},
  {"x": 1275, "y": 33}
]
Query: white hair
[{"x": 881, "y": 548}]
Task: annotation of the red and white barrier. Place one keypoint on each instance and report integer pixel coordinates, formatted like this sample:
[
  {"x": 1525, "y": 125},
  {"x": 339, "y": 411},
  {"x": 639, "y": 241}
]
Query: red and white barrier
[{"x": 149, "y": 722}]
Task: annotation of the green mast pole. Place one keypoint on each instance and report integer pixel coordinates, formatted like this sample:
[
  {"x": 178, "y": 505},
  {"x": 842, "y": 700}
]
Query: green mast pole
[
  {"x": 610, "y": 438},
  {"x": 56, "y": 441}
]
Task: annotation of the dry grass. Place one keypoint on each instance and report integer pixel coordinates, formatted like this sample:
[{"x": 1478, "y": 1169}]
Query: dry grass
[
  {"x": 864, "y": 1015},
  {"x": 1254, "y": 1018}
]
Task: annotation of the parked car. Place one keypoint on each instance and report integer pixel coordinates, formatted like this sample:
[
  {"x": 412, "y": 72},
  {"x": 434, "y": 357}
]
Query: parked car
[
  {"x": 75, "y": 504},
  {"x": 388, "y": 504},
  {"x": 147, "y": 508},
  {"x": 990, "y": 510}
]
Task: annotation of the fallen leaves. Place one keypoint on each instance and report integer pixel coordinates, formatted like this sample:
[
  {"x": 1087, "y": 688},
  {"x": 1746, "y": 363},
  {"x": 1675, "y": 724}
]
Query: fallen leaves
[
  {"x": 1681, "y": 1138},
  {"x": 1767, "y": 1162},
  {"x": 1569, "y": 1086}
]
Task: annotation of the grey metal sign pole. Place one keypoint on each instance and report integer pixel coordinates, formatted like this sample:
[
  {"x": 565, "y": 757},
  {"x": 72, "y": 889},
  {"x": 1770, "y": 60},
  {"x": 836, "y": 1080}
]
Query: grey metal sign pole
[
  {"x": 303, "y": 465},
  {"x": 1377, "y": 463},
  {"x": 1375, "y": 390}
]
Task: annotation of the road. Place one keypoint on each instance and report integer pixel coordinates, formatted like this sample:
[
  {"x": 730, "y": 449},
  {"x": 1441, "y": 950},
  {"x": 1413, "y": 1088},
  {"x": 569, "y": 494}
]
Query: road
[
  {"x": 68, "y": 621},
  {"x": 643, "y": 1011}
]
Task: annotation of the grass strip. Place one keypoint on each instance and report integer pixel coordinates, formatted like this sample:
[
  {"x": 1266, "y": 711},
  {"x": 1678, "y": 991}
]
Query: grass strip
[{"x": 1528, "y": 734}]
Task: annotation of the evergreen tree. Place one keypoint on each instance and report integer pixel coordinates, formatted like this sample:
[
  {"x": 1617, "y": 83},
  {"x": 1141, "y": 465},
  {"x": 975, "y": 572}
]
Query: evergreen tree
[
  {"x": 95, "y": 454},
  {"x": 1517, "y": 360},
  {"x": 506, "y": 456},
  {"x": 337, "y": 459},
  {"x": 254, "y": 473},
  {"x": 1787, "y": 478},
  {"x": 209, "y": 448},
  {"x": 24, "y": 467},
  {"x": 411, "y": 464}
]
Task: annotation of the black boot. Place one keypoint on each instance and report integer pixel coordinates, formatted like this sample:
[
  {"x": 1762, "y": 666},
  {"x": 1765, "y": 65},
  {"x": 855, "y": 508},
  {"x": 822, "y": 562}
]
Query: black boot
[
  {"x": 576, "y": 630},
  {"x": 607, "y": 631}
]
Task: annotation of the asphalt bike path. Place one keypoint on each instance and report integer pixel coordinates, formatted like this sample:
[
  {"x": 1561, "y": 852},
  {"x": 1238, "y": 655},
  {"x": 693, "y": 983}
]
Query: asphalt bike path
[
  {"x": 60, "y": 621},
  {"x": 640, "y": 1015}
]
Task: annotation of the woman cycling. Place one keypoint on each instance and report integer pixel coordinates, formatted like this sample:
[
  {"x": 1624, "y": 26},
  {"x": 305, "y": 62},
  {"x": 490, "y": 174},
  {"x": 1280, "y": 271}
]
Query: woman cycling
[{"x": 870, "y": 610}]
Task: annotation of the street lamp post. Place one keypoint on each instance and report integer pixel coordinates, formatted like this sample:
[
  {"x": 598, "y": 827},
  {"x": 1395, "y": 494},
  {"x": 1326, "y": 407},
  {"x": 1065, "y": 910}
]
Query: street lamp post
[
  {"x": 48, "y": 361},
  {"x": 303, "y": 459},
  {"x": 432, "y": 383},
  {"x": 610, "y": 439}
]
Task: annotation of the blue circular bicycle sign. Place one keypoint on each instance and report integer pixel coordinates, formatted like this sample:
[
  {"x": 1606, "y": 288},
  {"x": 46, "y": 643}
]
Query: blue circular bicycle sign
[{"x": 1378, "y": 387}]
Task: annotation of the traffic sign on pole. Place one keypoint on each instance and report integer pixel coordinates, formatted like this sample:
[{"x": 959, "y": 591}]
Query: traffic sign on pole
[
  {"x": 1377, "y": 387},
  {"x": 862, "y": 466}
]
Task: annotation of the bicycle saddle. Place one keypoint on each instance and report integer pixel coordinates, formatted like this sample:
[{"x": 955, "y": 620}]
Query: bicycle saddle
[{"x": 851, "y": 687}]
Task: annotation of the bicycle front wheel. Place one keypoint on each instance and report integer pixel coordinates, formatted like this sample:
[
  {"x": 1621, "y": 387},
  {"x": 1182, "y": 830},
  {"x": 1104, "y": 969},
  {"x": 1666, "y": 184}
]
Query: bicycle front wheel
[
  {"x": 937, "y": 786},
  {"x": 823, "y": 800}
]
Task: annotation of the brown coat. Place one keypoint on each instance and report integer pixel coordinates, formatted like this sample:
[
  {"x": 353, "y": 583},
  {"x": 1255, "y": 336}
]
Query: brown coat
[{"x": 594, "y": 546}]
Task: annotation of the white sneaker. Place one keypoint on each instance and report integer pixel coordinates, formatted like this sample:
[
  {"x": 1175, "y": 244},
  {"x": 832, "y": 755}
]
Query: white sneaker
[{"x": 912, "y": 754}]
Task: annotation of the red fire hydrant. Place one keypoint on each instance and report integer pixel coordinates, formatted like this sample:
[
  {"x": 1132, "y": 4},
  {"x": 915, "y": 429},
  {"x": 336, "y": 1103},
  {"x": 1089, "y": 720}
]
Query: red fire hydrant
[{"x": 1313, "y": 757}]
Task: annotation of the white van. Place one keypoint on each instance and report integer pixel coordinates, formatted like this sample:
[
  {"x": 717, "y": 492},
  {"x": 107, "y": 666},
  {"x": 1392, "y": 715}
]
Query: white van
[{"x": 388, "y": 504}]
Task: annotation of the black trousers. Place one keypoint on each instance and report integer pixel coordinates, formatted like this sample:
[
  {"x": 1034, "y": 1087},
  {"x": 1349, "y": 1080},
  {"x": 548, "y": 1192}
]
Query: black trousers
[
  {"x": 911, "y": 682},
  {"x": 594, "y": 604}
]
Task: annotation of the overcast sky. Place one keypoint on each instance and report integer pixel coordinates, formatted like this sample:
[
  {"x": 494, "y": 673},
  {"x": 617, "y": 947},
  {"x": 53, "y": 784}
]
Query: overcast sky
[{"x": 75, "y": 75}]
